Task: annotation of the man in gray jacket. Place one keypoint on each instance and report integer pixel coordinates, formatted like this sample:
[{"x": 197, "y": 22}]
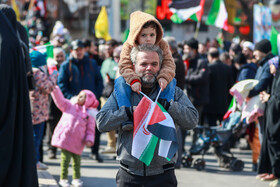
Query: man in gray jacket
[{"x": 147, "y": 61}]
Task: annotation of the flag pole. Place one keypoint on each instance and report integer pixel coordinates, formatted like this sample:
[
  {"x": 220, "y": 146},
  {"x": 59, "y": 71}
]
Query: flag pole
[{"x": 197, "y": 29}]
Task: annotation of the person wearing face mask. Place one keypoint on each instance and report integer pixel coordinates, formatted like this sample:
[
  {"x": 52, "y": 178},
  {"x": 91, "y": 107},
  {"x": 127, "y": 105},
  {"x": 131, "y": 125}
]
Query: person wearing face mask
[{"x": 197, "y": 77}]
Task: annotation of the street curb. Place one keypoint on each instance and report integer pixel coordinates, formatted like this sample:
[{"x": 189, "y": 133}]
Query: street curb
[{"x": 45, "y": 179}]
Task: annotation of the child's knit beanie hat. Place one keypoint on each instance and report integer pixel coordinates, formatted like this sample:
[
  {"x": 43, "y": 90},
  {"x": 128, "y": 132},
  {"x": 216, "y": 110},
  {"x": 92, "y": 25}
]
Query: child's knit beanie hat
[{"x": 37, "y": 59}]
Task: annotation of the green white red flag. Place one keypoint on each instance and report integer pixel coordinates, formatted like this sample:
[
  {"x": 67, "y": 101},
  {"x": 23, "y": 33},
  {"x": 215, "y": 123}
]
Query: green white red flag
[
  {"x": 151, "y": 122},
  {"x": 218, "y": 15}
]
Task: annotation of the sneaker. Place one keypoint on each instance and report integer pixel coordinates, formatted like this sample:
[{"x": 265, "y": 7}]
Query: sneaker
[
  {"x": 127, "y": 127},
  {"x": 109, "y": 150},
  {"x": 77, "y": 182},
  {"x": 41, "y": 166},
  {"x": 64, "y": 183},
  {"x": 275, "y": 183}
]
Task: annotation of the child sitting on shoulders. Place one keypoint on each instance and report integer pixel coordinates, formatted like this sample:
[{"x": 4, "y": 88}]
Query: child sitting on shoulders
[{"x": 144, "y": 29}]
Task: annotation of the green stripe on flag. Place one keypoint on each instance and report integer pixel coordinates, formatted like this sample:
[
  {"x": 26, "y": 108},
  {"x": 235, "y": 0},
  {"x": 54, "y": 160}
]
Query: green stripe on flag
[
  {"x": 194, "y": 17},
  {"x": 213, "y": 12},
  {"x": 148, "y": 153},
  {"x": 274, "y": 40},
  {"x": 49, "y": 49}
]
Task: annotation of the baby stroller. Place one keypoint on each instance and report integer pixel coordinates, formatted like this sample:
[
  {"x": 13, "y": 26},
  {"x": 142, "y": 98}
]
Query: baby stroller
[{"x": 221, "y": 138}]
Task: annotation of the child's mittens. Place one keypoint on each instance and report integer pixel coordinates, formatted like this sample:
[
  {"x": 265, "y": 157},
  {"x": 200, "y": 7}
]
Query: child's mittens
[
  {"x": 89, "y": 144},
  {"x": 136, "y": 87},
  {"x": 162, "y": 83}
]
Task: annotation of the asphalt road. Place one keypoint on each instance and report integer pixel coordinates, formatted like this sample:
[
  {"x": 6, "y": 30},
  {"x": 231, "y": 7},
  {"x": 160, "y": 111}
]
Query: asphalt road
[{"x": 103, "y": 174}]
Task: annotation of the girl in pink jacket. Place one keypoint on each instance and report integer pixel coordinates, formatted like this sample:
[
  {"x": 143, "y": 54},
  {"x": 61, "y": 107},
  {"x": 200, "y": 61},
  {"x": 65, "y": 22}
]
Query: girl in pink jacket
[{"x": 75, "y": 129}]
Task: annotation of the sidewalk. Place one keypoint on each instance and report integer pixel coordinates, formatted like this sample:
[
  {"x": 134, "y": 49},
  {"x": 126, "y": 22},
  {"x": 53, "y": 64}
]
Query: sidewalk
[{"x": 45, "y": 179}]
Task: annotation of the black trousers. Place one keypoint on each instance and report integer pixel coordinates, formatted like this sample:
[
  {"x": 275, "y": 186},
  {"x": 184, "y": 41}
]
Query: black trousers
[
  {"x": 166, "y": 179},
  {"x": 95, "y": 147}
]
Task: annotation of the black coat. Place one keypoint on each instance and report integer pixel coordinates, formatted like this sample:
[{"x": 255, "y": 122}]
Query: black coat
[
  {"x": 197, "y": 82},
  {"x": 180, "y": 70},
  {"x": 220, "y": 81},
  {"x": 270, "y": 150},
  {"x": 17, "y": 153}
]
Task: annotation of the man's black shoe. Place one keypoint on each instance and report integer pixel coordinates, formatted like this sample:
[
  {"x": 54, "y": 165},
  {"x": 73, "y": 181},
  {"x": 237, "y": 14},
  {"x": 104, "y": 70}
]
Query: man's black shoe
[{"x": 97, "y": 158}]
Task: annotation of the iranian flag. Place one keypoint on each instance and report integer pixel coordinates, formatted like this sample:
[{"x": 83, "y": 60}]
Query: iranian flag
[
  {"x": 275, "y": 41},
  {"x": 184, "y": 9},
  {"x": 48, "y": 50},
  {"x": 151, "y": 123},
  {"x": 218, "y": 15},
  {"x": 231, "y": 108}
]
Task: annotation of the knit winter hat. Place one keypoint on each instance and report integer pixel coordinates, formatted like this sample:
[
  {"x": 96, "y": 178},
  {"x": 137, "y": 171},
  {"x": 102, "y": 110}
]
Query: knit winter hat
[
  {"x": 263, "y": 46},
  {"x": 37, "y": 59},
  {"x": 192, "y": 43}
]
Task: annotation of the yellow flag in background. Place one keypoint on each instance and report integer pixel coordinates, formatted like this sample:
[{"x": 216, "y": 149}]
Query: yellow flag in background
[
  {"x": 102, "y": 25},
  {"x": 15, "y": 7}
]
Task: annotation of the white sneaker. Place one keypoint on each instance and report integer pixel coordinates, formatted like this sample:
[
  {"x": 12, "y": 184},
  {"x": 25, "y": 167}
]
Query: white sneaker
[
  {"x": 64, "y": 183},
  {"x": 41, "y": 166},
  {"x": 77, "y": 182}
]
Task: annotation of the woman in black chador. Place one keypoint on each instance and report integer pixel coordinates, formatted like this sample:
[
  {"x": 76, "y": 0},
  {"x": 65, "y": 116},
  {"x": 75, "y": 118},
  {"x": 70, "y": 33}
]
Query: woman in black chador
[
  {"x": 269, "y": 168},
  {"x": 17, "y": 153}
]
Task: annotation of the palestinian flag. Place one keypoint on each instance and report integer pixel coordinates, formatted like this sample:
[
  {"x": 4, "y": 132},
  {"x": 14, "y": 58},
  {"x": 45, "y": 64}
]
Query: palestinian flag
[
  {"x": 275, "y": 41},
  {"x": 184, "y": 9},
  {"x": 151, "y": 122},
  {"x": 198, "y": 15},
  {"x": 218, "y": 15},
  {"x": 166, "y": 131}
]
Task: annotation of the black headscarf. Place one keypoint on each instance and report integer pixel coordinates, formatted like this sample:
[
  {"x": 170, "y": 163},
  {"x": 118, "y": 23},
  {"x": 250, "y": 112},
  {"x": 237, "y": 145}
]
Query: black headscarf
[{"x": 17, "y": 153}]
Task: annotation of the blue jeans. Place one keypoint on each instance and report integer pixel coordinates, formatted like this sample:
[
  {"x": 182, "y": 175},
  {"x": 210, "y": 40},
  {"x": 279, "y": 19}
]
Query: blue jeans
[
  {"x": 38, "y": 132},
  {"x": 123, "y": 92}
]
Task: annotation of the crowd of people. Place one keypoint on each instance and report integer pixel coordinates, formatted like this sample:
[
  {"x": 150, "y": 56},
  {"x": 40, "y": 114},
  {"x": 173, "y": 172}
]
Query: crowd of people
[{"x": 109, "y": 76}]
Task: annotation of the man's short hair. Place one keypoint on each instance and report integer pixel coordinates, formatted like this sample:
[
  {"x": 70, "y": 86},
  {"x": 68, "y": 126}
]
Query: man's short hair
[
  {"x": 143, "y": 48},
  {"x": 192, "y": 43},
  {"x": 213, "y": 52},
  {"x": 171, "y": 42}
]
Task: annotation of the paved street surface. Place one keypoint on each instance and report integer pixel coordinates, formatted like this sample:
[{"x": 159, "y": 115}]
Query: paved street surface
[{"x": 103, "y": 174}]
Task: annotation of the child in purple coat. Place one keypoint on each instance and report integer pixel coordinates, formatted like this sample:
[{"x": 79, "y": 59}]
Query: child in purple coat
[{"x": 75, "y": 129}]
